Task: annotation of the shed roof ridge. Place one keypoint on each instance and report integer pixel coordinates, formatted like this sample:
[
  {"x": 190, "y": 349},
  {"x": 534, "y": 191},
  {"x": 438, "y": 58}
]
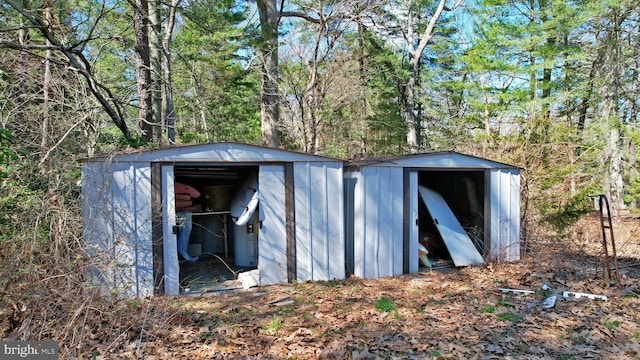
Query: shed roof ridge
[{"x": 230, "y": 144}]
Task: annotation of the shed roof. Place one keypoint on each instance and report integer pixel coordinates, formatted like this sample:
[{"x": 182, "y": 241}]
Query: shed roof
[
  {"x": 442, "y": 159},
  {"x": 221, "y": 151}
]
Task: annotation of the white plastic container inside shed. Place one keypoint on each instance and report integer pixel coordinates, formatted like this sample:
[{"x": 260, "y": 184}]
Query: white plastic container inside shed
[
  {"x": 394, "y": 204},
  {"x": 129, "y": 216}
]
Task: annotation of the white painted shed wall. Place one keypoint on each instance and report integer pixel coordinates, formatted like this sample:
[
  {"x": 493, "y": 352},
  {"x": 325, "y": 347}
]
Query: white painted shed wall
[
  {"x": 376, "y": 221},
  {"x": 117, "y": 225},
  {"x": 272, "y": 236},
  {"x": 117, "y": 215},
  {"x": 171, "y": 266},
  {"x": 504, "y": 214},
  {"x": 319, "y": 221},
  {"x": 374, "y": 210}
]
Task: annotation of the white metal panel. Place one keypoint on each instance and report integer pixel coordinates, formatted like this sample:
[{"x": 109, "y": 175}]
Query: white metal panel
[
  {"x": 458, "y": 243},
  {"x": 385, "y": 228},
  {"x": 390, "y": 231},
  {"x": 223, "y": 152},
  {"x": 335, "y": 221},
  {"x": 378, "y": 222},
  {"x": 371, "y": 212},
  {"x": 319, "y": 230},
  {"x": 304, "y": 220},
  {"x": 359, "y": 228},
  {"x": 514, "y": 215},
  {"x": 143, "y": 226},
  {"x": 123, "y": 189},
  {"x": 448, "y": 159},
  {"x": 170, "y": 240},
  {"x": 96, "y": 223},
  {"x": 272, "y": 238},
  {"x": 414, "y": 266},
  {"x": 505, "y": 215},
  {"x": 318, "y": 216}
]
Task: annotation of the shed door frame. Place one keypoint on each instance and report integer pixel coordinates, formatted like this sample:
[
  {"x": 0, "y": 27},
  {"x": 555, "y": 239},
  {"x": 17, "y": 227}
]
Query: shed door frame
[
  {"x": 162, "y": 180},
  {"x": 410, "y": 210}
]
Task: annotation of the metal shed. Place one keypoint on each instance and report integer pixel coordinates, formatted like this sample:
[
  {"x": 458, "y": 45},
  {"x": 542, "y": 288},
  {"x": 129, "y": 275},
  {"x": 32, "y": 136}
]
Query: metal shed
[
  {"x": 129, "y": 216},
  {"x": 386, "y": 218}
]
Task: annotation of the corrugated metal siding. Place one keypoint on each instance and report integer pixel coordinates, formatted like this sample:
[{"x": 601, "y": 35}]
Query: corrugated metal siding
[
  {"x": 319, "y": 230},
  {"x": 377, "y": 218},
  {"x": 226, "y": 152},
  {"x": 96, "y": 223},
  {"x": 440, "y": 160},
  {"x": 117, "y": 218},
  {"x": 505, "y": 214},
  {"x": 141, "y": 207},
  {"x": 117, "y": 225},
  {"x": 272, "y": 242},
  {"x": 171, "y": 266},
  {"x": 131, "y": 217}
]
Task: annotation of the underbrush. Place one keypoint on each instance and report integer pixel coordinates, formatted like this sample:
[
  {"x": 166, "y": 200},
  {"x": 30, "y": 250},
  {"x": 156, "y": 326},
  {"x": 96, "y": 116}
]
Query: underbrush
[{"x": 43, "y": 293}]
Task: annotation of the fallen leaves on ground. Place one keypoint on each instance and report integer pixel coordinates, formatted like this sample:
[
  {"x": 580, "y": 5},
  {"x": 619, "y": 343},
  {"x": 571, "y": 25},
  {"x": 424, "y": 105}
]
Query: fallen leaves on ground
[{"x": 454, "y": 313}]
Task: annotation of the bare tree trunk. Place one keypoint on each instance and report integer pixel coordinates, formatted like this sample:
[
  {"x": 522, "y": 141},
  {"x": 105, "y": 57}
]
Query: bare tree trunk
[
  {"x": 415, "y": 52},
  {"x": 157, "y": 73},
  {"x": 44, "y": 128},
  {"x": 270, "y": 99},
  {"x": 363, "y": 90},
  {"x": 169, "y": 111},
  {"x": 610, "y": 96},
  {"x": 143, "y": 65},
  {"x": 633, "y": 114},
  {"x": 410, "y": 116}
]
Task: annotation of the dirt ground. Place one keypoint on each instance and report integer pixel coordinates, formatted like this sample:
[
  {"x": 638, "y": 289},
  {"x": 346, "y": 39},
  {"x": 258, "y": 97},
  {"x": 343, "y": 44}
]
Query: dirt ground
[{"x": 444, "y": 314}]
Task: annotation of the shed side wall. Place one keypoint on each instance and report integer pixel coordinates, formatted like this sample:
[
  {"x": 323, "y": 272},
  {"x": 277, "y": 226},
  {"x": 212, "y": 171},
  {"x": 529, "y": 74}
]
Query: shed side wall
[
  {"x": 504, "y": 214},
  {"x": 170, "y": 263},
  {"x": 131, "y": 189},
  {"x": 117, "y": 226},
  {"x": 319, "y": 217},
  {"x": 378, "y": 222},
  {"x": 97, "y": 218},
  {"x": 272, "y": 241}
]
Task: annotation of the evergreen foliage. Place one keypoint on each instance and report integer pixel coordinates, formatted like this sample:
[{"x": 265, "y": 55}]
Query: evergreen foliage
[{"x": 551, "y": 86}]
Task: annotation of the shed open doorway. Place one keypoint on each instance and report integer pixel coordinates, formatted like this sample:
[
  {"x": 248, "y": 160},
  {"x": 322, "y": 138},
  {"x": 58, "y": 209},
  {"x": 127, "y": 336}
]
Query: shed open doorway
[
  {"x": 464, "y": 194},
  {"x": 217, "y": 248}
]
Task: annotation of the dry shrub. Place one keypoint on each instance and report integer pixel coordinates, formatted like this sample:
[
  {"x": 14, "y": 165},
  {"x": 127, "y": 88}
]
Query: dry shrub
[{"x": 44, "y": 295}]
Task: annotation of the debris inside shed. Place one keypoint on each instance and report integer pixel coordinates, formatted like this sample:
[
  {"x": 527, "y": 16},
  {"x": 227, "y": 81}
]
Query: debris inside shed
[
  {"x": 217, "y": 247},
  {"x": 460, "y": 247}
]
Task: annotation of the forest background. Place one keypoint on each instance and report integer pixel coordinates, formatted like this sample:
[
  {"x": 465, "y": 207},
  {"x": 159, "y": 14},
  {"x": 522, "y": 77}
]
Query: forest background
[{"x": 550, "y": 86}]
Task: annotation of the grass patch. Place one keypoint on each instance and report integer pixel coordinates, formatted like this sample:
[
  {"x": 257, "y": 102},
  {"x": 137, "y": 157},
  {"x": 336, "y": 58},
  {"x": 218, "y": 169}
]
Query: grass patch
[
  {"x": 489, "y": 309},
  {"x": 329, "y": 283},
  {"x": 566, "y": 357},
  {"x": 272, "y": 327},
  {"x": 611, "y": 324},
  {"x": 285, "y": 310},
  {"x": 539, "y": 293},
  {"x": 513, "y": 317},
  {"x": 504, "y": 302},
  {"x": 578, "y": 340},
  {"x": 384, "y": 304}
]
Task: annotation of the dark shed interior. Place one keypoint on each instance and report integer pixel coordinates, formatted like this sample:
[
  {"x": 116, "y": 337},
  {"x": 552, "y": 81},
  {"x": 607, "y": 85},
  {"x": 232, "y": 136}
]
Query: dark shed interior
[
  {"x": 222, "y": 247},
  {"x": 464, "y": 192}
]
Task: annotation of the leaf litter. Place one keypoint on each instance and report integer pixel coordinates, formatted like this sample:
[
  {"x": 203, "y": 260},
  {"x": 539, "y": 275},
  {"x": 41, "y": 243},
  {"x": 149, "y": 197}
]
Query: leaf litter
[{"x": 444, "y": 314}]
